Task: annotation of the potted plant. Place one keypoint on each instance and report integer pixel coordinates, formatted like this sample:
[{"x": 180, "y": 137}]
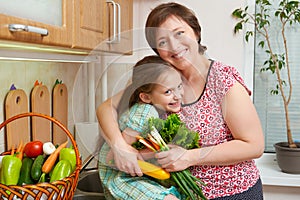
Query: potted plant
[{"x": 287, "y": 14}]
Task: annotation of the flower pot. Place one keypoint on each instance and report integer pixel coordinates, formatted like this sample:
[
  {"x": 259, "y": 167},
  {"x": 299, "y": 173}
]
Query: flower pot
[{"x": 288, "y": 159}]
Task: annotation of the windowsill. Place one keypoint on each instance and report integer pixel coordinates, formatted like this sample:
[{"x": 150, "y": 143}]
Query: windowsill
[{"x": 272, "y": 175}]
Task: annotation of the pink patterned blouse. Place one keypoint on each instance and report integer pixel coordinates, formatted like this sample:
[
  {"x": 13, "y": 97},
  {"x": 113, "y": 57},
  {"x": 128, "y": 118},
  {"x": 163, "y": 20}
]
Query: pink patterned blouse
[{"x": 205, "y": 117}]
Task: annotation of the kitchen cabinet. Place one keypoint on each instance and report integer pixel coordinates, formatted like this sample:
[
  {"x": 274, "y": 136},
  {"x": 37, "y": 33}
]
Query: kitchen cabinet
[
  {"x": 103, "y": 25},
  {"x": 17, "y": 22}
]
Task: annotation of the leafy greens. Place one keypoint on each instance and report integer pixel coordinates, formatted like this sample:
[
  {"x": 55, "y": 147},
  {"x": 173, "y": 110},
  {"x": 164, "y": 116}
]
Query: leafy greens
[{"x": 172, "y": 131}]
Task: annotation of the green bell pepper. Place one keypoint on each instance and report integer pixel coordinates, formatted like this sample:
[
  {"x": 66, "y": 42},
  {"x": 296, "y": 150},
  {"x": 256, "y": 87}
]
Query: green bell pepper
[
  {"x": 10, "y": 170},
  {"x": 68, "y": 154},
  {"x": 61, "y": 170}
]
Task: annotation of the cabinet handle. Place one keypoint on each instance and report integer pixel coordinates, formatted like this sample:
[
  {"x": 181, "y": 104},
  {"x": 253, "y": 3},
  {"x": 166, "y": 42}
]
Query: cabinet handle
[
  {"x": 26, "y": 28},
  {"x": 116, "y": 37},
  {"x": 119, "y": 22}
]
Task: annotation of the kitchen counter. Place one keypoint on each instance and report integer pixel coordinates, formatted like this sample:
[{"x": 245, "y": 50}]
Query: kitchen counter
[{"x": 272, "y": 175}]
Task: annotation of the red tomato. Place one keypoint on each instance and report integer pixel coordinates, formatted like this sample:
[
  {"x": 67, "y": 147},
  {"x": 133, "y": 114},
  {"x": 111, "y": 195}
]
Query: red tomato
[{"x": 33, "y": 149}]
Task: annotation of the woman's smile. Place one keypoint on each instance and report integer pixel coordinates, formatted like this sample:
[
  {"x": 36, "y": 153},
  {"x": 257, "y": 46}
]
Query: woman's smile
[{"x": 180, "y": 54}]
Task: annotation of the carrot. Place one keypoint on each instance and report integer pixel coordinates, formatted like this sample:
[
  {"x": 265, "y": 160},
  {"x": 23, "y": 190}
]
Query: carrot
[
  {"x": 12, "y": 150},
  {"x": 19, "y": 151},
  {"x": 49, "y": 163},
  {"x": 153, "y": 142},
  {"x": 145, "y": 142}
]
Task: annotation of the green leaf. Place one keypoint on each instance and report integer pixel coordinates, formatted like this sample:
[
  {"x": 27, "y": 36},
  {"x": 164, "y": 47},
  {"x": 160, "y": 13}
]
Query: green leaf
[
  {"x": 238, "y": 27},
  {"x": 248, "y": 34},
  {"x": 261, "y": 44},
  {"x": 237, "y": 13}
]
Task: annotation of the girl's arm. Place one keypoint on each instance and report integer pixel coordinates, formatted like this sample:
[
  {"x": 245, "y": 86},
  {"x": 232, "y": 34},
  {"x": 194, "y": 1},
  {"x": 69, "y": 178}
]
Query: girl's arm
[
  {"x": 125, "y": 156},
  {"x": 243, "y": 121}
]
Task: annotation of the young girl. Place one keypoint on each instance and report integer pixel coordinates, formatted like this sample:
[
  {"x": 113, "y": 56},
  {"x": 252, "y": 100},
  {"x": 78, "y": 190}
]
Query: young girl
[{"x": 156, "y": 88}]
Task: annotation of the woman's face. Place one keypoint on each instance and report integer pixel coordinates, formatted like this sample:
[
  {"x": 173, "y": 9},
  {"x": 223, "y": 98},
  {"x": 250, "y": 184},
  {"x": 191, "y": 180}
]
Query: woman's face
[
  {"x": 176, "y": 42},
  {"x": 167, "y": 94}
]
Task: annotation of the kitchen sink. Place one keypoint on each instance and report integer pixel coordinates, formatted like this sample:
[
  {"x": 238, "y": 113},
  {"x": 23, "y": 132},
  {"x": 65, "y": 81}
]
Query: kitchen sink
[
  {"x": 88, "y": 196},
  {"x": 89, "y": 181},
  {"x": 89, "y": 186}
]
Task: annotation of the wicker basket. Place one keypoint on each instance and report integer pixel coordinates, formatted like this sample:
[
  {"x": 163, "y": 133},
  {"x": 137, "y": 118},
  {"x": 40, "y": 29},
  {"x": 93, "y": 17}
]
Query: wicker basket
[{"x": 62, "y": 189}]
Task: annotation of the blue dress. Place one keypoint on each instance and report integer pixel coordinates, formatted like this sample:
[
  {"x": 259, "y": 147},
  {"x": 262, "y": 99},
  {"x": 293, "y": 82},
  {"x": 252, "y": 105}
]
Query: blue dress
[{"x": 120, "y": 185}]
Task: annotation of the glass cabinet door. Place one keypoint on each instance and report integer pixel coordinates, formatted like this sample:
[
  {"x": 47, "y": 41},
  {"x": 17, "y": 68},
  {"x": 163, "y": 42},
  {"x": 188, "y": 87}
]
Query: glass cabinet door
[{"x": 41, "y": 22}]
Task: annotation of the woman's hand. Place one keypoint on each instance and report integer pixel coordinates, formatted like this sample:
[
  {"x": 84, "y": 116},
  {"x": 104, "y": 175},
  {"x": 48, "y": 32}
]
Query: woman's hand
[
  {"x": 175, "y": 159},
  {"x": 125, "y": 159}
]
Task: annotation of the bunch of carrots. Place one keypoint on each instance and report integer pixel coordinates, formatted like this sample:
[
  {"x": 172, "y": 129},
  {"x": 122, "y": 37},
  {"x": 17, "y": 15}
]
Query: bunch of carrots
[{"x": 186, "y": 182}]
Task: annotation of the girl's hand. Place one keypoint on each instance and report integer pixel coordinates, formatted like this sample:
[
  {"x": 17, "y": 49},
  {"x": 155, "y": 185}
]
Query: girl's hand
[
  {"x": 175, "y": 159},
  {"x": 125, "y": 159}
]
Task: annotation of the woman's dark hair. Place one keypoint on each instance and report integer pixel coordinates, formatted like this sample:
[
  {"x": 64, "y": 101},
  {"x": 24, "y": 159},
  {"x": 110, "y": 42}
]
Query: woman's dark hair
[
  {"x": 145, "y": 75},
  {"x": 160, "y": 14}
]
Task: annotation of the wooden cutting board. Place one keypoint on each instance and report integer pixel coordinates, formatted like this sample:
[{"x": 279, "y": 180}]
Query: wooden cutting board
[
  {"x": 40, "y": 103},
  {"x": 16, "y": 102},
  {"x": 60, "y": 112}
]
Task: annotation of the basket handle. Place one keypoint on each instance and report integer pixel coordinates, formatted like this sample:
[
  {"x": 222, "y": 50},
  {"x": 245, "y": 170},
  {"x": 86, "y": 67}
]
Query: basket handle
[{"x": 30, "y": 114}]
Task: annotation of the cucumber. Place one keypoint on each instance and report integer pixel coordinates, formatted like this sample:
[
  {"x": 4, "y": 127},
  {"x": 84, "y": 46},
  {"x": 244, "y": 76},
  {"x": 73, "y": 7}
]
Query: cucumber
[
  {"x": 25, "y": 173},
  {"x": 36, "y": 169}
]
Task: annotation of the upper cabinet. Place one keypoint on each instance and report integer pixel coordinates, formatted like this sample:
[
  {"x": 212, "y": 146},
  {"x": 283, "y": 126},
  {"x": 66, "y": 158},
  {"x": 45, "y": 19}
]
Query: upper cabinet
[
  {"x": 101, "y": 25},
  {"x": 46, "y": 22}
]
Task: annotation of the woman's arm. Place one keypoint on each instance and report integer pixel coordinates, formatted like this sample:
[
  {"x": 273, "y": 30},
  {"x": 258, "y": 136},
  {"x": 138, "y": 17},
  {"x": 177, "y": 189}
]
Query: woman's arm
[
  {"x": 125, "y": 156},
  {"x": 243, "y": 121}
]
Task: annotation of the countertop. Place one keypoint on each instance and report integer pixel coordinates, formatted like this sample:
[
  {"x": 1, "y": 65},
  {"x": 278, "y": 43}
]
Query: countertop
[{"x": 272, "y": 175}]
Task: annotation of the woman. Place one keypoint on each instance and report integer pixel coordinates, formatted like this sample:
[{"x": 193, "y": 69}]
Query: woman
[{"x": 216, "y": 104}]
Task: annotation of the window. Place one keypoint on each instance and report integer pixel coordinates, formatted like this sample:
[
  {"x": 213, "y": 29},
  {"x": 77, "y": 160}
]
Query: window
[{"x": 270, "y": 107}]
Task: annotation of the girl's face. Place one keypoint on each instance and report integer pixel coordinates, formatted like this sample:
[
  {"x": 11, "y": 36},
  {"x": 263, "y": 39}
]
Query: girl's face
[
  {"x": 176, "y": 42},
  {"x": 167, "y": 93}
]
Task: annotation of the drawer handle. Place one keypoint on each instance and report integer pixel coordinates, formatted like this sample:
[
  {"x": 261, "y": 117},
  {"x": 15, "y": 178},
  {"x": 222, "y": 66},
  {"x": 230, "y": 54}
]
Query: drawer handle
[{"x": 26, "y": 28}]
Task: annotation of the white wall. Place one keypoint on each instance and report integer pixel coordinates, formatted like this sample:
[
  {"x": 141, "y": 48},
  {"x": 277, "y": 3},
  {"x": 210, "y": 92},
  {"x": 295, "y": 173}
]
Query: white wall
[{"x": 279, "y": 193}]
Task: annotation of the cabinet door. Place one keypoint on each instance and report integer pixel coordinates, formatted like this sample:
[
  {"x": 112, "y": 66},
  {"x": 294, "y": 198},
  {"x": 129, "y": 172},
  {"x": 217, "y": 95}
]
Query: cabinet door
[
  {"x": 120, "y": 26},
  {"x": 90, "y": 28},
  {"x": 19, "y": 27},
  {"x": 103, "y": 25}
]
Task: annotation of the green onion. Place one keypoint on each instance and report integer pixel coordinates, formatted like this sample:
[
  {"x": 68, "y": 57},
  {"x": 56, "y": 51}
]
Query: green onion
[{"x": 182, "y": 178}]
